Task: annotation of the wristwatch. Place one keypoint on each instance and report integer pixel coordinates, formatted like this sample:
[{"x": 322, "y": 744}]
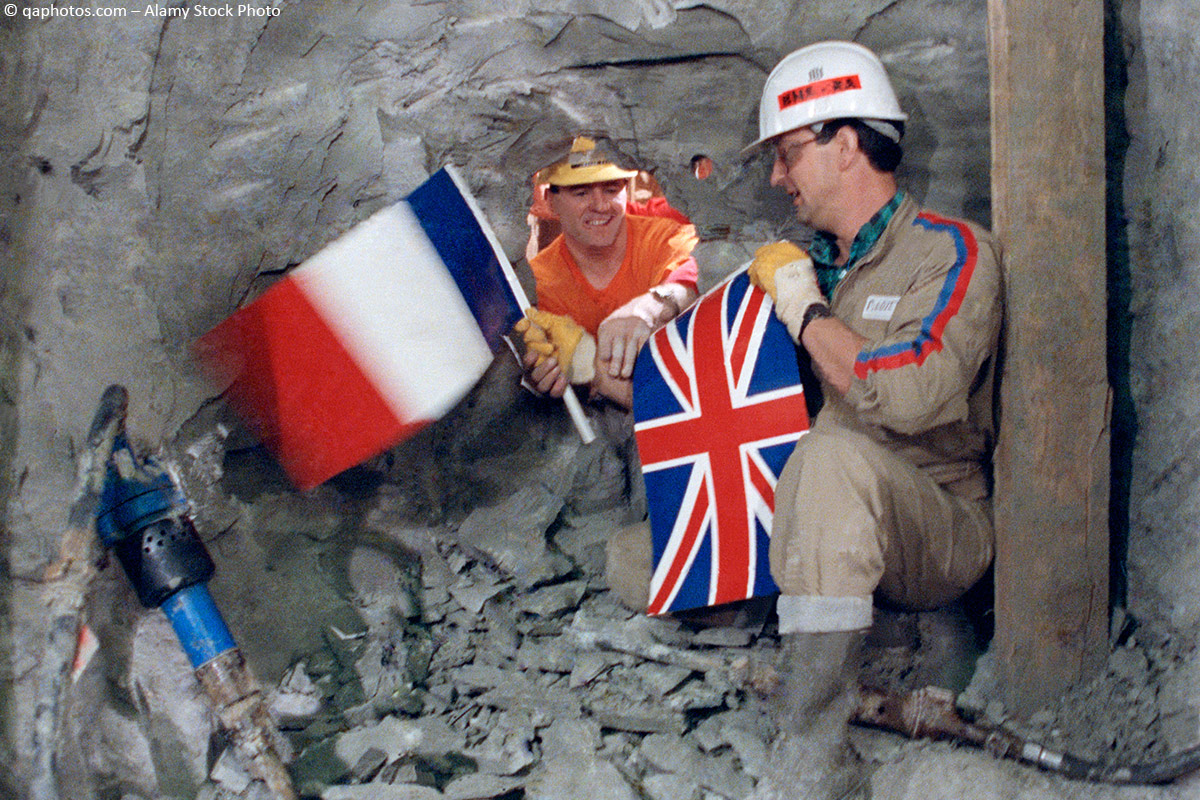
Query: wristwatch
[
  {"x": 814, "y": 311},
  {"x": 667, "y": 298}
]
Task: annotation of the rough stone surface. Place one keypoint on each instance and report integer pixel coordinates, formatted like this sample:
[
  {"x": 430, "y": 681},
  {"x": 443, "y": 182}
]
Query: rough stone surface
[{"x": 1163, "y": 262}]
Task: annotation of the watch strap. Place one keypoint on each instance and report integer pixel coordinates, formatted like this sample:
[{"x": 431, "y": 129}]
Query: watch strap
[{"x": 814, "y": 311}]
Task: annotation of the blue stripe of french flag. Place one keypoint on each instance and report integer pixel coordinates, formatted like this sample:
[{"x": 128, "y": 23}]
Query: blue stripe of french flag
[{"x": 372, "y": 338}]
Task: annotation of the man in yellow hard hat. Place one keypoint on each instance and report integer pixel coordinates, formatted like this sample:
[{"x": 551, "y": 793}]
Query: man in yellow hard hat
[
  {"x": 616, "y": 273},
  {"x": 606, "y": 282},
  {"x": 899, "y": 309}
]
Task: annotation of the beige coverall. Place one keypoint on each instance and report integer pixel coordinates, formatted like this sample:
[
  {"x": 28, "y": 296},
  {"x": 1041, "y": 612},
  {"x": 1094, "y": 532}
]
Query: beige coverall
[{"x": 889, "y": 489}]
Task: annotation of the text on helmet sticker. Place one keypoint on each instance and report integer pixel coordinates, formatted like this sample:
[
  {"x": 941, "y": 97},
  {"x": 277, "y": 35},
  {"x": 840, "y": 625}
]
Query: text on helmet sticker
[{"x": 824, "y": 88}]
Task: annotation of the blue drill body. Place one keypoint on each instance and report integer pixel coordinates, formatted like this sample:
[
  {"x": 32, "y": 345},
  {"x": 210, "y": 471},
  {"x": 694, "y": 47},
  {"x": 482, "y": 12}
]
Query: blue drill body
[{"x": 144, "y": 519}]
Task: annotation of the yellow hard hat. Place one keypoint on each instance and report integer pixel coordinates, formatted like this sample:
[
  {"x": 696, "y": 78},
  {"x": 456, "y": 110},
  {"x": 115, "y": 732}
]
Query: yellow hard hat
[{"x": 584, "y": 164}]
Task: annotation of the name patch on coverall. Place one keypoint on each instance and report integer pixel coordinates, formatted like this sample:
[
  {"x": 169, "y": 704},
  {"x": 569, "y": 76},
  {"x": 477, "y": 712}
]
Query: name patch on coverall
[{"x": 880, "y": 307}]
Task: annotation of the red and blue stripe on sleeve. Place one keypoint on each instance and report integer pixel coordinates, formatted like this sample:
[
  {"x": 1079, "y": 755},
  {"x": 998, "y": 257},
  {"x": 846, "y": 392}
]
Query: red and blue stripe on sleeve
[{"x": 949, "y": 301}]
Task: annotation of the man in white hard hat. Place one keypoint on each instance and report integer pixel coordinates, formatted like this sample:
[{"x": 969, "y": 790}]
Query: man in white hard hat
[
  {"x": 606, "y": 282},
  {"x": 899, "y": 309}
]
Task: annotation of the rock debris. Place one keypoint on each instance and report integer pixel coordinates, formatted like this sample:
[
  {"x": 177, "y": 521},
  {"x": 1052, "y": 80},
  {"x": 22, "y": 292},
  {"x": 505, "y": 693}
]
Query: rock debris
[{"x": 477, "y": 688}]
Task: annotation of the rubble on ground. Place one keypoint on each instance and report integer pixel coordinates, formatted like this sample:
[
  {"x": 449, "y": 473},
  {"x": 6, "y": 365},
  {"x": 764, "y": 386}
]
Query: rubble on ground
[
  {"x": 467, "y": 683},
  {"x": 489, "y": 660},
  {"x": 544, "y": 691},
  {"x": 1132, "y": 712}
]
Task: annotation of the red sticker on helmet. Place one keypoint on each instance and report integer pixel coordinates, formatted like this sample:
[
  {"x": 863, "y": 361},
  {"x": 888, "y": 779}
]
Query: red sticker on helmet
[{"x": 823, "y": 88}]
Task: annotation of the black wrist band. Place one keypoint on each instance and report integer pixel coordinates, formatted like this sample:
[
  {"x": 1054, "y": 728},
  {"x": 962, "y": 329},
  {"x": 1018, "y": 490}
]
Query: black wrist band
[{"x": 814, "y": 311}]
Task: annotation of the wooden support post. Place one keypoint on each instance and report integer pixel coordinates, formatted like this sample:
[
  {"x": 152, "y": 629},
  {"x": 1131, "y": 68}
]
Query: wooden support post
[{"x": 1052, "y": 458}]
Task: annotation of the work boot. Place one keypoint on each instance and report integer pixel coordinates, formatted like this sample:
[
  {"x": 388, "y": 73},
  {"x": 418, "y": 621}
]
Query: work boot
[{"x": 811, "y": 757}]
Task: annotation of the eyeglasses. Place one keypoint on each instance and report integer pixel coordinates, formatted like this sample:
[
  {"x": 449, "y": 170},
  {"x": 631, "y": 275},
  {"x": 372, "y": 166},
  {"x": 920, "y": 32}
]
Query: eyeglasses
[{"x": 784, "y": 154}]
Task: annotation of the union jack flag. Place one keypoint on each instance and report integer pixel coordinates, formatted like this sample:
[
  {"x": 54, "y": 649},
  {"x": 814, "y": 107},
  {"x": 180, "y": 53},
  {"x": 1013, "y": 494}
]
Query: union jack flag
[{"x": 717, "y": 407}]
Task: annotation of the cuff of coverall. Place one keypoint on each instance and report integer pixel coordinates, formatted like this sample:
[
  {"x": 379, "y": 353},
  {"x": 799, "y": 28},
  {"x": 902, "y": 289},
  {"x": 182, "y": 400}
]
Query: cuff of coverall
[{"x": 806, "y": 613}]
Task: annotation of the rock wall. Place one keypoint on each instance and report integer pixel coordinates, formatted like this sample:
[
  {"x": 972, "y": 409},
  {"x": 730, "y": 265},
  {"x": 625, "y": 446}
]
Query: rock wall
[
  {"x": 1161, "y": 187},
  {"x": 159, "y": 170}
]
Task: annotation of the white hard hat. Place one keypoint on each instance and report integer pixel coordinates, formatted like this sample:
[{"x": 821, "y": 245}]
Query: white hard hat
[{"x": 824, "y": 81}]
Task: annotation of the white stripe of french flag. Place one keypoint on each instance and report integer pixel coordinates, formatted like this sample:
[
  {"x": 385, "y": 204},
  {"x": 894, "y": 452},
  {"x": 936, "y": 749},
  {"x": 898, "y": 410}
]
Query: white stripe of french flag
[{"x": 372, "y": 338}]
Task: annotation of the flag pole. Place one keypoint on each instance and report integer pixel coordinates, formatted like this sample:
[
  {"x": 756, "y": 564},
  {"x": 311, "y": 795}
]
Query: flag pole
[
  {"x": 570, "y": 399},
  {"x": 575, "y": 409}
]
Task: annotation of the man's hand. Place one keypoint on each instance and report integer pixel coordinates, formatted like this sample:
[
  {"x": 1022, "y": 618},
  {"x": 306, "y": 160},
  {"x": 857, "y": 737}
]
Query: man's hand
[
  {"x": 544, "y": 374},
  {"x": 767, "y": 261},
  {"x": 557, "y": 351},
  {"x": 625, "y": 330},
  {"x": 620, "y": 338},
  {"x": 786, "y": 273}
]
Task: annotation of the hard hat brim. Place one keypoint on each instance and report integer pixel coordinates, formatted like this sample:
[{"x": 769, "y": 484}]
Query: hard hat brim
[
  {"x": 566, "y": 175},
  {"x": 748, "y": 149}
]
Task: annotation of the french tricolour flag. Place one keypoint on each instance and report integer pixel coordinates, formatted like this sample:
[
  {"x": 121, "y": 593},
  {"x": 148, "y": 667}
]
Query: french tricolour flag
[{"x": 377, "y": 335}]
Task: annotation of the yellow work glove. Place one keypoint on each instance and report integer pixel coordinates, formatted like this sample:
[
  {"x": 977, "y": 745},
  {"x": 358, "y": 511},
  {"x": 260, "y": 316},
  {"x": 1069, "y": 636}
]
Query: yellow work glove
[
  {"x": 562, "y": 338},
  {"x": 767, "y": 261},
  {"x": 786, "y": 273}
]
